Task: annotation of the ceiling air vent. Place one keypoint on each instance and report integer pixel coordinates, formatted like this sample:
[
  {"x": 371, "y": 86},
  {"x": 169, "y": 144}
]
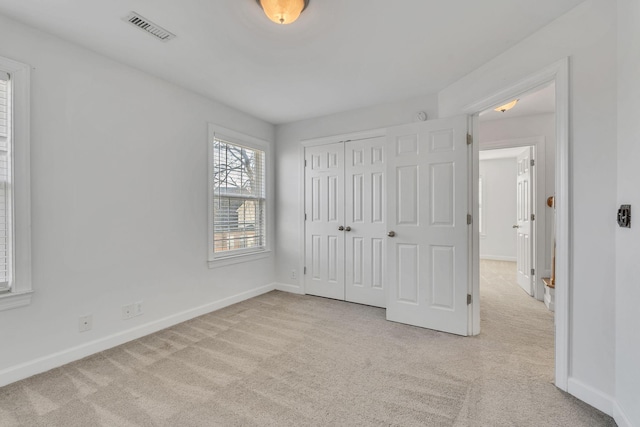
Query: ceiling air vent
[{"x": 149, "y": 27}]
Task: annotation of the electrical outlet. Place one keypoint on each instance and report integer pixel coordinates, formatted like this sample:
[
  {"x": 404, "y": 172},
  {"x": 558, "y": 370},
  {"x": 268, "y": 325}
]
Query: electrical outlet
[
  {"x": 132, "y": 310},
  {"x": 128, "y": 311},
  {"x": 85, "y": 323},
  {"x": 294, "y": 274}
]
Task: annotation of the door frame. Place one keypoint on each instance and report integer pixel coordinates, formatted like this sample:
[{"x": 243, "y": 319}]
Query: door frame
[
  {"x": 558, "y": 73},
  {"x": 345, "y": 137},
  {"x": 539, "y": 225}
]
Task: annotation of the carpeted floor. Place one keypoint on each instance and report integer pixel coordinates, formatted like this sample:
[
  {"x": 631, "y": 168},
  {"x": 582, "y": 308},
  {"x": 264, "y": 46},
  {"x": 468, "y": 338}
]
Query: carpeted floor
[{"x": 288, "y": 360}]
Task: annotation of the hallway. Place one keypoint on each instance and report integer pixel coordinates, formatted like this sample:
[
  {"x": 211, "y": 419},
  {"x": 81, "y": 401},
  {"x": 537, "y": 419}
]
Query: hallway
[{"x": 503, "y": 302}]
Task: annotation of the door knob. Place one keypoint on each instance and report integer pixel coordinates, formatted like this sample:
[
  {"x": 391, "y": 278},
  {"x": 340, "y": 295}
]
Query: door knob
[
  {"x": 341, "y": 228},
  {"x": 391, "y": 234},
  {"x": 516, "y": 226},
  {"x": 347, "y": 228}
]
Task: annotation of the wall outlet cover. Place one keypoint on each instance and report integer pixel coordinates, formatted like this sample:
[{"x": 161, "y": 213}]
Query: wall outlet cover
[{"x": 85, "y": 323}]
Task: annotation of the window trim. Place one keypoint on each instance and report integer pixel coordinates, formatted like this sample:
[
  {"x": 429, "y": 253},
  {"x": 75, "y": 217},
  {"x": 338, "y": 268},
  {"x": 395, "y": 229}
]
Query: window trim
[
  {"x": 234, "y": 137},
  {"x": 21, "y": 290}
]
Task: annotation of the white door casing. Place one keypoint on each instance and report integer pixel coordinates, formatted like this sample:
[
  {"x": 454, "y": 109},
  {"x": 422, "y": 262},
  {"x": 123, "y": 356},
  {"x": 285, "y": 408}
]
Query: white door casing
[
  {"x": 365, "y": 205},
  {"x": 428, "y": 257},
  {"x": 324, "y": 210},
  {"x": 524, "y": 236},
  {"x": 557, "y": 72}
]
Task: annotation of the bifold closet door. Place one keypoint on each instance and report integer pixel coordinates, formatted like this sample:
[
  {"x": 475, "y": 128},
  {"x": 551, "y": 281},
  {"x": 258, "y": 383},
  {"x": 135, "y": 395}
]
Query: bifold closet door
[
  {"x": 365, "y": 212},
  {"x": 324, "y": 210}
]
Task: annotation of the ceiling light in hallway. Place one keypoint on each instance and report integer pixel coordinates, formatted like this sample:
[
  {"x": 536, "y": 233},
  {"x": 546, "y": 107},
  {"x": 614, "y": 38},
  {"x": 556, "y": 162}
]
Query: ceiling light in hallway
[{"x": 507, "y": 107}]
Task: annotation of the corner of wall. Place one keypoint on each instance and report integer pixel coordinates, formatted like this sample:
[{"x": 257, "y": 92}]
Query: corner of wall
[{"x": 620, "y": 416}]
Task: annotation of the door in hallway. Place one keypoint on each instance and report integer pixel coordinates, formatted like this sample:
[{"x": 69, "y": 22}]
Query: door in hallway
[{"x": 524, "y": 209}]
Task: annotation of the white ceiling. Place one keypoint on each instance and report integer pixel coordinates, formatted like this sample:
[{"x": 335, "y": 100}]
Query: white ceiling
[{"x": 340, "y": 54}]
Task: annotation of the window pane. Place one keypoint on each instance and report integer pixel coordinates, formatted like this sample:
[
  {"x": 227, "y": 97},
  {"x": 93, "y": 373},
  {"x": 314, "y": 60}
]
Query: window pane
[{"x": 238, "y": 197}]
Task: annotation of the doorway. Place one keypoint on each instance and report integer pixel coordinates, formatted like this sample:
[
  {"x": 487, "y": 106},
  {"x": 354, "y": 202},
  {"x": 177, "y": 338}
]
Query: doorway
[
  {"x": 517, "y": 153},
  {"x": 547, "y": 130},
  {"x": 508, "y": 215}
]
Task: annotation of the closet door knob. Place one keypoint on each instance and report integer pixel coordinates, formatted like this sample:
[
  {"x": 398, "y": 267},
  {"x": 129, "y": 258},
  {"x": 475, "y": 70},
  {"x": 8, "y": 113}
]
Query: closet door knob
[
  {"x": 347, "y": 228},
  {"x": 341, "y": 228},
  {"x": 516, "y": 226},
  {"x": 391, "y": 234}
]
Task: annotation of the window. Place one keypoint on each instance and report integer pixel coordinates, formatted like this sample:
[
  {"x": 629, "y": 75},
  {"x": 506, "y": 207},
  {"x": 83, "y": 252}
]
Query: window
[
  {"x": 15, "y": 217},
  {"x": 238, "y": 203}
]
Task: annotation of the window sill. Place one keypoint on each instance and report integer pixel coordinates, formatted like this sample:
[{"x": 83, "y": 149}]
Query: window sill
[
  {"x": 237, "y": 259},
  {"x": 15, "y": 300}
]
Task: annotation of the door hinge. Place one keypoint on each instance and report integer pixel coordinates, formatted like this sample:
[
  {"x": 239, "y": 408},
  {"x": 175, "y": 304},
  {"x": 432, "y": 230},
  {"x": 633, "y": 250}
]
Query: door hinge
[
  {"x": 533, "y": 162},
  {"x": 469, "y": 139},
  {"x": 469, "y": 299},
  {"x": 533, "y": 271},
  {"x": 305, "y": 217},
  {"x": 469, "y": 219},
  {"x": 533, "y": 217},
  {"x": 304, "y": 270},
  {"x": 305, "y": 163}
]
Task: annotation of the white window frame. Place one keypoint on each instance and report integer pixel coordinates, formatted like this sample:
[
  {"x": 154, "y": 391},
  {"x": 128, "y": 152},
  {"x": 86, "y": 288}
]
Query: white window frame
[
  {"x": 221, "y": 259},
  {"x": 20, "y": 290}
]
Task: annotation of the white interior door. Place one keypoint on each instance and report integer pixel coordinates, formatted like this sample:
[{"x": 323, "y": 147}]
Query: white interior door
[
  {"x": 428, "y": 255},
  {"x": 365, "y": 204},
  {"x": 524, "y": 241},
  {"x": 324, "y": 208}
]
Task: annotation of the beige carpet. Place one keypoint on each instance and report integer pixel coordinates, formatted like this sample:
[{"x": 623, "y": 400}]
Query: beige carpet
[{"x": 287, "y": 360}]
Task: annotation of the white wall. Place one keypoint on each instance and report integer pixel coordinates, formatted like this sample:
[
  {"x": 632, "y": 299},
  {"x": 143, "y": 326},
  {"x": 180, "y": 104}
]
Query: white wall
[
  {"x": 525, "y": 127},
  {"x": 628, "y": 240},
  {"x": 587, "y": 35},
  {"x": 289, "y": 177},
  {"x": 119, "y": 201},
  {"x": 498, "y": 238}
]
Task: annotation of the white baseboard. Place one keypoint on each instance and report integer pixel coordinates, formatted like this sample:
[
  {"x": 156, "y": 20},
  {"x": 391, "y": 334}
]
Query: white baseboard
[
  {"x": 288, "y": 288},
  {"x": 43, "y": 364},
  {"x": 619, "y": 416},
  {"x": 498, "y": 258},
  {"x": 590, "y": 395}
]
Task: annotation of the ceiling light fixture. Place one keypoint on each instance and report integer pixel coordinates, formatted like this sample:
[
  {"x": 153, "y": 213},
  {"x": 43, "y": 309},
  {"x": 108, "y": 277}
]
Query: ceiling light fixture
[
  {"x": 507, "y": 107},
  {"x": 283, "y": 11}
]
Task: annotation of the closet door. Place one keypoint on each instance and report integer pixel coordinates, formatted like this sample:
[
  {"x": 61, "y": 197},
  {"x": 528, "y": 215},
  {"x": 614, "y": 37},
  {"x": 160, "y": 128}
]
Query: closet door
[
  {"x": 365, "y": 212},
  {"x": 324, "y": 209}
]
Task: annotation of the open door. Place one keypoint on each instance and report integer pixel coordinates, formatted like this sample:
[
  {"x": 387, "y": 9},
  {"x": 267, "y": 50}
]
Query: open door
[
  {"x": 524, "y": 240},
  {"x": 428, "y": 234}
]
